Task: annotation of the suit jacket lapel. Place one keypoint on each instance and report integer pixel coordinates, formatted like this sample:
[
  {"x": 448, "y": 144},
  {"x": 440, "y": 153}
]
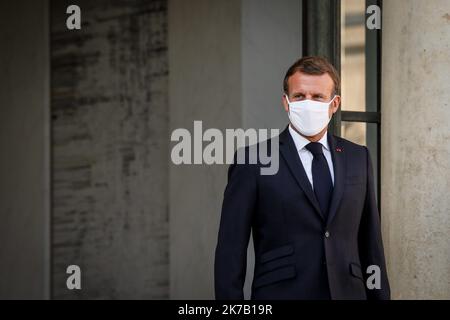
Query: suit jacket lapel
[
  {"x": 339, "y": 158},
  {"x": 289, "y": 153}
]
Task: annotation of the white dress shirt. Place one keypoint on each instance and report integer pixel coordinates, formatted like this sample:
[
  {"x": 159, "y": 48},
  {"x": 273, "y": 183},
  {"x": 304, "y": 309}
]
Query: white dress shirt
[{"x": 307, "y": 157}]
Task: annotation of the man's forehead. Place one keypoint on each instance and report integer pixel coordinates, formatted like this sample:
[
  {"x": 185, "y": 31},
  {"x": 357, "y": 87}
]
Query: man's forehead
[{"x": 301, "y": 82}]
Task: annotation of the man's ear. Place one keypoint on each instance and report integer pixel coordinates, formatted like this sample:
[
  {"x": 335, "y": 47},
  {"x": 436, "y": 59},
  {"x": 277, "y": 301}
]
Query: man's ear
[
  {"x": 284, "y": 101},
  {"x": 335, "y": 104}
]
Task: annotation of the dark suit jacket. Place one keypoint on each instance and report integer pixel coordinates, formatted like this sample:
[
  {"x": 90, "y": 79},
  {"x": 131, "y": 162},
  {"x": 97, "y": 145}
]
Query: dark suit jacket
[{"x": 299, "y": 255}]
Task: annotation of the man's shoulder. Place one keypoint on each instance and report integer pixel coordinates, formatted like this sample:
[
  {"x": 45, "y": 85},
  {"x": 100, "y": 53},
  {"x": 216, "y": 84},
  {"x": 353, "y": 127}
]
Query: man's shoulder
[
  {"x": 355, "y": 153},
  {"x": 349, "y": 145}
]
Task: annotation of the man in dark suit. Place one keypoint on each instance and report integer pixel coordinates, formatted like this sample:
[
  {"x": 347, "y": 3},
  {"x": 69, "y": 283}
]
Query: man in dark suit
[{"x": 315, "y": 223}]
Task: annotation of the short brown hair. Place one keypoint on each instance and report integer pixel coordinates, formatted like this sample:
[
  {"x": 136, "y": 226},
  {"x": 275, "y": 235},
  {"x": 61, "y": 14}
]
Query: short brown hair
[{"x": 313, "y": 65}]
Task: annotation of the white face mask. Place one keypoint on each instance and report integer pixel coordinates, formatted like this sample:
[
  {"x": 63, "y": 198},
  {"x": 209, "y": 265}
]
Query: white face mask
[{"x": 309, "y": 117}]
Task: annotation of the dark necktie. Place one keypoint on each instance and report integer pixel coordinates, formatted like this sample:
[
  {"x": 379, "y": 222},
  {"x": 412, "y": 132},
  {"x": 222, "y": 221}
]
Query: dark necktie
[{"x": 323, "y": 185}]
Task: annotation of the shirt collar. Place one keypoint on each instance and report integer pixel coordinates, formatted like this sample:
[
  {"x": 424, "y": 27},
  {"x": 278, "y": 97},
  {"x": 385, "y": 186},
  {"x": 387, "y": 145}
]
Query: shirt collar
[{"x": 300, "y": 141}]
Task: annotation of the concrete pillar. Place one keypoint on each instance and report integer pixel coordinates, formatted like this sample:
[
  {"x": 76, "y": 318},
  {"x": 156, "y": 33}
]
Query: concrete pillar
[
  {"x": 227, "y": 61},
  {"x": 24, "y": 145},
  {"x": 204, "y": 84},
  {"x": 110, "y": 150},
  {"x": 416, "y": 147}
]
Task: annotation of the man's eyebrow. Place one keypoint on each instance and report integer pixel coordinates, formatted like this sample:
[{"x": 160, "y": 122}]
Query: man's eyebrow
[{"x": 315, "y": 94}]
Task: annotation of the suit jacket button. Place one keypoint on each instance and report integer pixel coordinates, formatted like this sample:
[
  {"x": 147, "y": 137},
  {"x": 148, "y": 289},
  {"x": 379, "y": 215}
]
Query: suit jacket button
[{"x": 327, "y": 234}]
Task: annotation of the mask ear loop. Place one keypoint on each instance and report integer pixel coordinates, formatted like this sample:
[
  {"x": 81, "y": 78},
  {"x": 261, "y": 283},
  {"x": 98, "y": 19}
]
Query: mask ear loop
[
  {"x": 334, "y": 97},
  {"x": 287, "y": 99},
  {"x": 289, "y": 103},
  {"x": 330, "y": 103}
]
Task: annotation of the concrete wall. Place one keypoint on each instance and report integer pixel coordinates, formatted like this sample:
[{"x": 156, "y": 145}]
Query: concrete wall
[
  {"x": 416, "y": 147},
  {"x": 110, "y": 147},
  {"x": 227, "y": 61},
  {"x": 24, "y": 141}
]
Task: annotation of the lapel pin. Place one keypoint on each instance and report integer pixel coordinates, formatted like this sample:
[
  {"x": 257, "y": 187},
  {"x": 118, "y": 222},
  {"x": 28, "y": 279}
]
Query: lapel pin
[{"x": 338, "y": 149}]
